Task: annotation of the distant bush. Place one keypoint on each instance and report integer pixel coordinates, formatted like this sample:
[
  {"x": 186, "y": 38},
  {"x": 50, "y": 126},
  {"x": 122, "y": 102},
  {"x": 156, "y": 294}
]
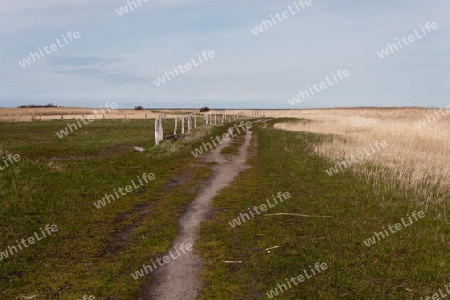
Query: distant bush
[
  {"x": 139, "y": 108},
  {"x": 35, "y": 106},
  {"x": 206, "y": 108}
]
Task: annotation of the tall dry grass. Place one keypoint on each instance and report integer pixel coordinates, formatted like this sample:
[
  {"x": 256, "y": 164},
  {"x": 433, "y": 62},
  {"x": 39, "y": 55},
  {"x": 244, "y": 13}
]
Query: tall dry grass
[
  {"x": 416, "y": 159},
  {"x": 31, "y": 114},
  {"x": 54, "y": 113}
]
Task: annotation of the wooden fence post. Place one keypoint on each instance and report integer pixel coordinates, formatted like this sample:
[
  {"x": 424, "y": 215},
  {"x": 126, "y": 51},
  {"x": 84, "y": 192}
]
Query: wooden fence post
[
  {"x": 189, "y": 123},
  {"x": 182, "y": 124},
  {"x": 176, "y": 124},
  {"x": 157, "y": 131},
  {"x": 161, "y": 132}
]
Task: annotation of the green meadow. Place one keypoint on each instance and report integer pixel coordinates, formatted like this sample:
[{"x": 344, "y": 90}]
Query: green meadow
[{"x": 94, "y": 251}]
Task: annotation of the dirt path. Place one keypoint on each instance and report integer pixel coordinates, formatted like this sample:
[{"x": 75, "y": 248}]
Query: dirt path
[{"x": 178, "y": 279}]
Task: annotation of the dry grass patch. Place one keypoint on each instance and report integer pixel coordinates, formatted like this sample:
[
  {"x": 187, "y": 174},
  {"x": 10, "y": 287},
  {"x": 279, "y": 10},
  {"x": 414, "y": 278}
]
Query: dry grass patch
[
  {"x": 54, "y": 113},
  {"x": 416, "y": 159}
]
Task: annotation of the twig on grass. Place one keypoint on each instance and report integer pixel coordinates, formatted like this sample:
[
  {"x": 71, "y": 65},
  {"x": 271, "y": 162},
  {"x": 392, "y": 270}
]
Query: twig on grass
[
  {"x": 274, "y": 247},
  {"x": 298, "y": 215}
]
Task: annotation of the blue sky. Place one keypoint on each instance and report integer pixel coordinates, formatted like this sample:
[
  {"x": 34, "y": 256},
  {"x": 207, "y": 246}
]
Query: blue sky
[{"x": 117, "y": 58}]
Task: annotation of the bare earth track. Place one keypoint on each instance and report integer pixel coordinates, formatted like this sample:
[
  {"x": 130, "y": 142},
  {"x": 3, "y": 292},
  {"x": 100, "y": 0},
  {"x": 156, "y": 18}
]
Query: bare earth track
[{"x": 179, "y": 278}]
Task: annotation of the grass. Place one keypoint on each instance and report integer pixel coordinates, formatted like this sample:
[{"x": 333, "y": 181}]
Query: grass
[
  {"x": 408, "y": 264},
  {"x": 57, "y": 181},
  {"x": 95, "y": 250}
]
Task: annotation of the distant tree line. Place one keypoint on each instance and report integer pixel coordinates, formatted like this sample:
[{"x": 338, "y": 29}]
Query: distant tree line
[{"x": 35, "y": 106}]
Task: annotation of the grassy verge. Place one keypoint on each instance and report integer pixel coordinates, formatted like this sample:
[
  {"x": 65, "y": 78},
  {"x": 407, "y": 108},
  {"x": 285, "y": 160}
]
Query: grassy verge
[
  {"x": 408, "y": 264},
  {"x": 57, "y": 182}
]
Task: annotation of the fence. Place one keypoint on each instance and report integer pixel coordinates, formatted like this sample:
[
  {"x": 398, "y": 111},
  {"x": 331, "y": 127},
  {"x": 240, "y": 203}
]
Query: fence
[{"x": 208, "y": 119}]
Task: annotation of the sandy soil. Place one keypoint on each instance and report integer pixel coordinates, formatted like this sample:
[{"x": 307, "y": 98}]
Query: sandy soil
[{"x": 179, "y": 278}]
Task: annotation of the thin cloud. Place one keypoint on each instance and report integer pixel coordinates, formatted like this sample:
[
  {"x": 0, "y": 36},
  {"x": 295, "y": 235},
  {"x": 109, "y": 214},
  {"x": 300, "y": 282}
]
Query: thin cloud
[{"x": 93, "y": 68}]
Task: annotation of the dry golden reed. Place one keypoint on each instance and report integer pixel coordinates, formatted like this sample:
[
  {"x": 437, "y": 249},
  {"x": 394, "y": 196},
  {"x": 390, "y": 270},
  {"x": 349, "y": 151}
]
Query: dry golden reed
[{"x": 416, "y": 159}]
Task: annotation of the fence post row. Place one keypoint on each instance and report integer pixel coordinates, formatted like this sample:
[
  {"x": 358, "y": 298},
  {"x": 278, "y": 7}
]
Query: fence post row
[{"x": 192, "y": 121}]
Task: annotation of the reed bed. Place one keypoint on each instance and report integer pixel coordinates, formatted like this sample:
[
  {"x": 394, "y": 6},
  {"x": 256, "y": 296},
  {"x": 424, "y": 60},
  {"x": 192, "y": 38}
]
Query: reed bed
[{"x": 416, "y": 158}]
